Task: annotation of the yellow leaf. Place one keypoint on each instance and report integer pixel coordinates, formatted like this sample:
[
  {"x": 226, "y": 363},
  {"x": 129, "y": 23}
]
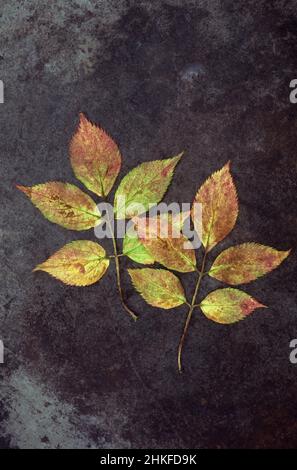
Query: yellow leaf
[
  {"x": 143, "y": 187},
  {"x": 95, "y": 157},
  {"x": 79, "y": 263},
  {"x": 158, "y": 287},
  {"x": 228, "y": 305},
  {"x": 64, "y": 204},
  {"x": 219, "y": 207},
  {"x": 245, "y": 263}
]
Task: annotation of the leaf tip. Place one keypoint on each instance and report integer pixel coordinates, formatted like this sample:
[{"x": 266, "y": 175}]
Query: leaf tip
[
  {"x": 25, "y": 189},
  {"x": 286, "y": 253},
  {"x": 37, "y": 268},
  {"x": 82, "y": 118}
]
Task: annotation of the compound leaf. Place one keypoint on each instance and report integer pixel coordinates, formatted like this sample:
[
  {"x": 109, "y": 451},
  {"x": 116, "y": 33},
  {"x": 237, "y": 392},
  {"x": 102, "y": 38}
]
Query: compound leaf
[
  {"x": 143, "y": 187},
  {"x": 245, "y": 263},
  {"x": 218, "y": 198},
  {"x": 158, "y": 287},
  {"x": 79, "y": 263},
  {"x": 95, "y": 157},
  {"x": 64, "y": 204},
  {"x": 228, "y": 305}
]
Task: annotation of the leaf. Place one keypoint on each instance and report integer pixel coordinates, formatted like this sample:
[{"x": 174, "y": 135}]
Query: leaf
[
  {"x": 174, "y": 253},
  {"x": 158, "y": 287},
  {"x": 79, "y": 263},
  {"x": 219, "y": 207},
  {"x": 64, "y": 204},
  {"x": 134, "y": 249},
  {"x": 228, "y": 305},
  {"x": 245, "y": 263},
  {"x": 143, "y": 187},
  {"x": 95, "y": 157}
]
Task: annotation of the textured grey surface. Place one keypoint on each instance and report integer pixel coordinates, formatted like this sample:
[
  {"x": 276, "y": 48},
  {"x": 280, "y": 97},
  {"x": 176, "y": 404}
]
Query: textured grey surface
[{"x": 206, "y": 76}]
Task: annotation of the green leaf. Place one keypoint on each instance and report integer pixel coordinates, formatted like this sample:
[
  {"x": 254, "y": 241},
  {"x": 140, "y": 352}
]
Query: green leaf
[
  {"x": 134, "y": 249},
  {"x": 79, "y": 263},
  {"x": 158, "y": 287},
  {"x": 144, "y": 187},
  {"x": 64, "y": 204},
  {"x": 228, "y": 305}
]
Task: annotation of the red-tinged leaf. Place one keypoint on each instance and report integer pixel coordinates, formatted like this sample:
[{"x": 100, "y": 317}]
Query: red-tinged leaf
[
  {"x": 158, "y": 287},
  {"x": 79, "y": 263},
  {"x": 64, "y": 204},
  {"x": 228, "y": 305},
  {"x": 95, "y": 157},
  {"x": 219, "y": 207},
  {"x": 245, "y": 263},
  {"x": 174, "y": 253}
]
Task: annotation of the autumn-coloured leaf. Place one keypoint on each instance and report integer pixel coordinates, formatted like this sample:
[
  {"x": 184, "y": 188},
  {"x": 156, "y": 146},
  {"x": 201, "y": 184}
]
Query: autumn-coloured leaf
[
  {"x": 79, "y": 263},
  {"x": 245, "y": 263},
  {"x": 158, "y": 287},
  {"x": 219, "y": 207},
  {"x": 174, "y": 253},
  {"x": 95, "y": 157},
  {"x": 134, "y": 249},
  {"x": 143, "y": 187},
  {"x": 228, "y": 305},
  {"x": 164, "y": 223},
  {"x": 64, "y": 204}
]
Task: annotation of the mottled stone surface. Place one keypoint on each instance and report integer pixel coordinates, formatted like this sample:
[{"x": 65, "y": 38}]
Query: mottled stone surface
[{"x": 206, "y": 76}]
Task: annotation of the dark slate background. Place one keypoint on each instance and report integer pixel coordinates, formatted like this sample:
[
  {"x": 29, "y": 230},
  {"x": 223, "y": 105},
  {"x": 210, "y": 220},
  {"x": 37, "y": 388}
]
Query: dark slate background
[{"x": 208, "y": 77}]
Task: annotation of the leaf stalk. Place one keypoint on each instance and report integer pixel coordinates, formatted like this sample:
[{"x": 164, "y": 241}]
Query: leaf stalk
[
  {"x": 118, "y": 272},
  {"x": 190, "y": 312}
]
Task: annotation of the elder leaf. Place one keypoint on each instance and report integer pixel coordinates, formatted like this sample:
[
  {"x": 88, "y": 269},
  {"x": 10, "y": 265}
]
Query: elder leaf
[
  {"x": 158, "y": 287},
  {"x": 175, "y": 253},
  {"x": 64, "y": 204},
  {"x": 134, "y": 249},
  {"x": 143, "y": 187},
  {"x": 245, "y": 263},
  {"x": 79, "y": 263},
  {"x": 219, "y": 207},
  {"x": 228, "y": 305},
  {"x": 95, "y": 157}
]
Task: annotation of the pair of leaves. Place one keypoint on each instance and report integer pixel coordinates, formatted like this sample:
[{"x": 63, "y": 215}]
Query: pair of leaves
[
  {"x": 218, "y": 199},
  {"x": 161, "y": 288},
  {"x": 96, "y": 162}
]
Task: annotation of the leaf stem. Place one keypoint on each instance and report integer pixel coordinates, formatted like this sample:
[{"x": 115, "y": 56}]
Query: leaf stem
[
  {"x": 190, "y": 312},
  {"x": 118, "y": 272}
]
